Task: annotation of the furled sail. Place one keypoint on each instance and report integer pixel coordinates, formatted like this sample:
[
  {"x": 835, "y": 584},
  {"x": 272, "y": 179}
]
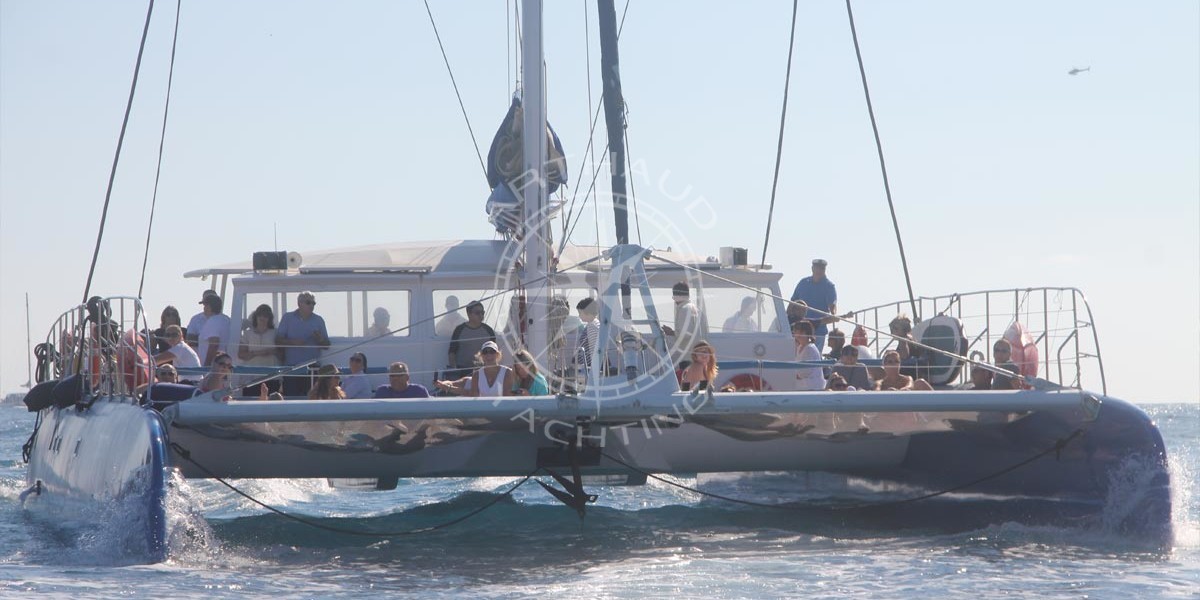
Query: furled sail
[{"x": 505, "y": 170}]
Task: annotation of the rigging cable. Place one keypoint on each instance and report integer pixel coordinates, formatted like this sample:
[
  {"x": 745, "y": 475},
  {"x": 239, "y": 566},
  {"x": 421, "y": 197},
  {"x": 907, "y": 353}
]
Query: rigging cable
[
  {"x": 161, "y": 140},
  {"x": 583, "y": 161},
  {"x": 112, "y": 175},
  {"x": 787, "y": 82},
  {"x": 591, "y": 146},
  {"x": 887, "y": 188},
  {"x": 454, "y": 82}
]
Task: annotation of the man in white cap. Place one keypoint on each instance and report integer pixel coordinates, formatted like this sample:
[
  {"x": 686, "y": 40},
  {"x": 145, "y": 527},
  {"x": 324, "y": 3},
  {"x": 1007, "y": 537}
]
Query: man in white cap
[{"x": 820, "y": 295}]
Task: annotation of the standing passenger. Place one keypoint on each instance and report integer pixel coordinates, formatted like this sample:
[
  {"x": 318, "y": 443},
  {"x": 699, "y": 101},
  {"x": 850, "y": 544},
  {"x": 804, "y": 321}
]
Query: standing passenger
[
  {"x": 257, "y": 347},
  {"x": 445, "y": 325},
  {"x": 819, "y": 294},
  {"x": 192, "y": 331},
  {"x": 211, "y": 339},
  {"x": 303, "y": 335},
  {"x": 690, "y": 326}
]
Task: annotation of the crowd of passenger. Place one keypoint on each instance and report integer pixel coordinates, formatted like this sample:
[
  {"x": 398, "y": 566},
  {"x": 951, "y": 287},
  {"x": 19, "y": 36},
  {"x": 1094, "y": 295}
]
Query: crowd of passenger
[{"x": 278, "y": 355}]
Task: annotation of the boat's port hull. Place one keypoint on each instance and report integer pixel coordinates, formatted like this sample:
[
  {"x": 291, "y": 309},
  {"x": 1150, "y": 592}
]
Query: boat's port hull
[{"x": 88, "y": 462}]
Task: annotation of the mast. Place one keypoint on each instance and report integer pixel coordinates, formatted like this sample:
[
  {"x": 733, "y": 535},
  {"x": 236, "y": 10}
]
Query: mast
[
  {"x": 614, "y": 120},
  {"x": 28, "y": 346},
  {"x": 536, "y": 238},
  {"x": 610, "y": 73}
]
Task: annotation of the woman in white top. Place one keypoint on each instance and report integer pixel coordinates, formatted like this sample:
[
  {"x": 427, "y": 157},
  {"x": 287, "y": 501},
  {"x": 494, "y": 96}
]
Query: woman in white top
[
  {"x": 807, "y": 378},
  {"x": 356, "y": 384},
  {"x": 257, "y": 347},
  {"x": 493, "y": 378}
]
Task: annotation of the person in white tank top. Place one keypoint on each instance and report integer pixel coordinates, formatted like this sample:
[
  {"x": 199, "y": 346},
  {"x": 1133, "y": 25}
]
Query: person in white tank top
[{"x": 493, "y": 378}]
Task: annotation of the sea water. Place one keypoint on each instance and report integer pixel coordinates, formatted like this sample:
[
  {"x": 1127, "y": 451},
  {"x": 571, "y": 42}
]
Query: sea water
[{"x": 652, "y": 540}]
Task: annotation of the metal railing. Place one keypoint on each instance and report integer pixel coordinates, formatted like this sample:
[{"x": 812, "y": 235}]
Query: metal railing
[{"x": 1058, "y": 318}]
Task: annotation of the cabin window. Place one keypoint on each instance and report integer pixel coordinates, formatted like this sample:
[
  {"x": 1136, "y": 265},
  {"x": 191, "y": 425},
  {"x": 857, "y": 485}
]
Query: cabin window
[
  {"x": 346, "y": 313},
  {"x": 379, "y": 311},
  {"x": 740, "y": 310}
]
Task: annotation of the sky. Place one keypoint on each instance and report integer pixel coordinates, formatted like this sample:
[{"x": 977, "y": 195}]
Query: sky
[{"x": 315, "y": 125}]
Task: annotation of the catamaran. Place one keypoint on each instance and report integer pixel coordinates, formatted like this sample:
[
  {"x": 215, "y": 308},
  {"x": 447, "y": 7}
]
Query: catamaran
[{"x": 108, "y": 432}]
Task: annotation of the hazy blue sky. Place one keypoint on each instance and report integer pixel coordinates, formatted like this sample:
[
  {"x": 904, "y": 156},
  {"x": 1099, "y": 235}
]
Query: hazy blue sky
[{"x": 337, "y": 122}]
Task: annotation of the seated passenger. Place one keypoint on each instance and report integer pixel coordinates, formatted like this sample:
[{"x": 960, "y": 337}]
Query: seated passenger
[
  {"x": 893, "y": 379},
  {"x": 852, "y": 371},
  {"x": 218, "y": 377},
  {"x": 325, "y": 385},
  {"x": 382, "y": 324},
  {"x": 179, "y": 353},
  {"x": 528, "y": 381},
  {"x": 1002, "y": 353},
  {"x": 901, "y": 328},
  {"x": 701, "y": 372},
  {"x": 357, "y": 384},
  {"x": 981, "y": 378},
  {"x": 169, "y": 317},
  {"x": 807, "y": 377},
  {"x": 399, "y": 384},
  {"x": 492, "y": 379},
  {"x": 837, "y": 341},
  {"x": 166, "y": 374},
  {"x": 838, "y": 383},
  {"x": 743, "y": 319}
]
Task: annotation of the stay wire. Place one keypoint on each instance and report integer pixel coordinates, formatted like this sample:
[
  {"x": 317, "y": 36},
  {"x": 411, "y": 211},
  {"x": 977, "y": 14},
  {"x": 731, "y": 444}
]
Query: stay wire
[
  {"x": 887, "y": 188},
  {"x": 1057, "y": 448},
  {"x": 112, "y": 175},
  {"x": 591, "y": 149},
  {"x": 787, "y": 82},
  {"x": 378, "y": 534},
  {"x": 458, "y": 95},
  {"x": 161, "y": 141}
]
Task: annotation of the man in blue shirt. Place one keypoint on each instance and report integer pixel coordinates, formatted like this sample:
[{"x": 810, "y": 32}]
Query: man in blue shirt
[
  {"x": 819, "y": 293},
  {"x": 302, "y": 335}
]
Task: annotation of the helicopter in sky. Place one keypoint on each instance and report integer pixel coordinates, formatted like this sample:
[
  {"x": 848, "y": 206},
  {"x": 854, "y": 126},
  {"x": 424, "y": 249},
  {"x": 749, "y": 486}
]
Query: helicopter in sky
[{"x": 1077, "y": 70}]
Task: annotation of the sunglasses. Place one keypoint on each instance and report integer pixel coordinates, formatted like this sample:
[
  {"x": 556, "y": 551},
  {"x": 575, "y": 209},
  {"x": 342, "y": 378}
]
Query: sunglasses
[
  {"x": 355, "y": 359},
  {"x": 225, "y": 364},
  {"x": 487, "y": 351},
  {"x": 476, "y": 312},
  {"x": 839, "y": 386},
  {"x": 309, "y": 303}
]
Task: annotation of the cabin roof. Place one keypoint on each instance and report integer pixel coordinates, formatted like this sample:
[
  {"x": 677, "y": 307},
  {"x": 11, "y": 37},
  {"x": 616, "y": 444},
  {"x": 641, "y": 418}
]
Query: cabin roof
[{"x": 447, "y": 257}]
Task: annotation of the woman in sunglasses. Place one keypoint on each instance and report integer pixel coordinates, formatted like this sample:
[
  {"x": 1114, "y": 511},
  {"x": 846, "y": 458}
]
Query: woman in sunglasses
[{"x": 493, "y": 378}]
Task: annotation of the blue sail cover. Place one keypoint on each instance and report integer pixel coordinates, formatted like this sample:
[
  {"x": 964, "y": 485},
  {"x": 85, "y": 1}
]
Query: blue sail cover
[{"x": 506, "y": 170}]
